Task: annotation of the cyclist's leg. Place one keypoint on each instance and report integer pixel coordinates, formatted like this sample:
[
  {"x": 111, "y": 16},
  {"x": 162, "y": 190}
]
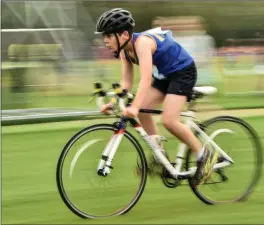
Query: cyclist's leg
[
  {"x": 171, "y": 119},
  {"x": 179, "y": 90},
  {"x": 172, "y": 108},
  {"x": 154, "y": 97}
]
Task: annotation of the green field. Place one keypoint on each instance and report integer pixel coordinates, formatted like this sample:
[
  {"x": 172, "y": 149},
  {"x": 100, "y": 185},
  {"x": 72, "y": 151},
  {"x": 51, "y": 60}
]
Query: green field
[{"x": 30, "y": 196}]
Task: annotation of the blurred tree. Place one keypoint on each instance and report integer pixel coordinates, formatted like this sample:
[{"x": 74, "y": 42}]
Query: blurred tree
[{"x": 224, "y": 19}]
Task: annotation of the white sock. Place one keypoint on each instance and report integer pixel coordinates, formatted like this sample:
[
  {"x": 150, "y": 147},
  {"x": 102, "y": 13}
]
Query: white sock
[{"x": 200, "y": 154}]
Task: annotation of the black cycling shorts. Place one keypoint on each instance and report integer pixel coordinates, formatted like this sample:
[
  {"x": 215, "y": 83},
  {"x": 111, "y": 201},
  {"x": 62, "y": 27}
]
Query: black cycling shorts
[{"x": 178, "y": 83}]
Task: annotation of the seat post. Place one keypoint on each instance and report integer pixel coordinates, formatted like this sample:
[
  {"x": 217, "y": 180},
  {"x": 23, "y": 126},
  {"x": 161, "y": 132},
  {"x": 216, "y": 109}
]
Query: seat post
[{"x": 191, "y": 105}]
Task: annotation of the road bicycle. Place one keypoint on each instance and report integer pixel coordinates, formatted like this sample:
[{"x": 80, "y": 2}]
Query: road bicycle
[{"x": 96, "y": 168}]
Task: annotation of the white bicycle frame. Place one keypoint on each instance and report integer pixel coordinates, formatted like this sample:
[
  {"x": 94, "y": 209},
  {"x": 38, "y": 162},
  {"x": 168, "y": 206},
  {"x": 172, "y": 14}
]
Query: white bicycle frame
[{"x": 175, "y": 171}]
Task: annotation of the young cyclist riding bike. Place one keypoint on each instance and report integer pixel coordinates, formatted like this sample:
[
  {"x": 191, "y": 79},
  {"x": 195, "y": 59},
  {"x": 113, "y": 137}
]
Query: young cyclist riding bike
[{"x": 174, "y": 72}]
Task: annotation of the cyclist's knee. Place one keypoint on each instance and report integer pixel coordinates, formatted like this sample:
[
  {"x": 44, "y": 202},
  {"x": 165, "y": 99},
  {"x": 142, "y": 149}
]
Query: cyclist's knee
[{"x": 168, "y": 121}]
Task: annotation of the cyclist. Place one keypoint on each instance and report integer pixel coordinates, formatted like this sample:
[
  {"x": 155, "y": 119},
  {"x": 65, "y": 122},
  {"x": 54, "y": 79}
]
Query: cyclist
[{"x": 174, "y": 72}]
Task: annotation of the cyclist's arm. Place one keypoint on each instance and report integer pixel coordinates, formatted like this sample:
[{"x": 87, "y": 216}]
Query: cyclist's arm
[
  {"x": 127, "y": 73},
  {"x": 145, "y": 47}
]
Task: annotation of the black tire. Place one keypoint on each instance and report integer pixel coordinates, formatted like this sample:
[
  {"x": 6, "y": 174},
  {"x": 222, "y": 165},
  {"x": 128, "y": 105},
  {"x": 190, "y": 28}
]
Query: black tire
[
  {"x": 65, "y": 151},
  {"x": 256, "y": 173}
]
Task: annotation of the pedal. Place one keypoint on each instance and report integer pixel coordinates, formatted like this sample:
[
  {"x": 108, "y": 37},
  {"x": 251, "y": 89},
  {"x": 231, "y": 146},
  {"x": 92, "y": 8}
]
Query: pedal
[
  {"x": 168, "y": 180},
  {"x": 222, "y": 175}
]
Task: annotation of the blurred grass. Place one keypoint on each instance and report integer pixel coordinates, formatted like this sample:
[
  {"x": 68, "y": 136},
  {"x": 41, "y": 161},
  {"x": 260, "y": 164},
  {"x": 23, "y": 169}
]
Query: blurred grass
[{"x": 29, "y": 192}]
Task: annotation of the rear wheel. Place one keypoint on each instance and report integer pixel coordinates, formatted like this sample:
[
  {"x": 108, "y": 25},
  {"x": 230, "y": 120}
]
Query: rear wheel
[
  {"x": 236, "y": 182},
  {"x": 83, "y": 190}
]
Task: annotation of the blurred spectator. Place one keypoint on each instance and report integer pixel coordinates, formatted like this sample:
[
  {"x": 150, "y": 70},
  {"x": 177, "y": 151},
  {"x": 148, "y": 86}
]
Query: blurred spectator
[{"x": 243, "y": 54}]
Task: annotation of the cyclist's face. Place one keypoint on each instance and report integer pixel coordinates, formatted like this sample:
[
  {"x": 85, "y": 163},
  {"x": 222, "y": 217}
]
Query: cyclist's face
[{"x": 110, "y": 42}]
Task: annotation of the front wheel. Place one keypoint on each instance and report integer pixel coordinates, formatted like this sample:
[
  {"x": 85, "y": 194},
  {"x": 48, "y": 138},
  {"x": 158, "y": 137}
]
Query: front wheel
[
  {"x": 89, "y": 194},
  {"x": 236, "y": 182}
]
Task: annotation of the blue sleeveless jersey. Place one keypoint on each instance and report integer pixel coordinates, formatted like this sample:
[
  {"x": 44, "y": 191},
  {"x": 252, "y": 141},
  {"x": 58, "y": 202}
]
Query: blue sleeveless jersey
[{"x": 169, "y": 56}]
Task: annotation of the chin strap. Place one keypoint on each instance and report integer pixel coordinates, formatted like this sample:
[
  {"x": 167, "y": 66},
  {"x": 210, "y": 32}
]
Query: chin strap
[{"x": 121, "y": 47}]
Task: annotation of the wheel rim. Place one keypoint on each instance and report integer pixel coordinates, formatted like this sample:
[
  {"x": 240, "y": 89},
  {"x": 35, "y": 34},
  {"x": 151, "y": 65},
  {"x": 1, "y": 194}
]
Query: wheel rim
[
  {"x": 243, "y": 175},
  {"x": 111, "y": 189}
]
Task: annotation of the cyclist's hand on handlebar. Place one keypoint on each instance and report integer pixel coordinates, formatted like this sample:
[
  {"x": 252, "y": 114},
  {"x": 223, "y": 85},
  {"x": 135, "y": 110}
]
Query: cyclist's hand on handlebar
[
  {"x": 131, "y": 112},
  {"x": 107, "y": 109}
]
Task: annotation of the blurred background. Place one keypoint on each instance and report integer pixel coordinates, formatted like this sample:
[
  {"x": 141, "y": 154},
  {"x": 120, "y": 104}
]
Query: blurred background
[{"x": 51, "y": 57}]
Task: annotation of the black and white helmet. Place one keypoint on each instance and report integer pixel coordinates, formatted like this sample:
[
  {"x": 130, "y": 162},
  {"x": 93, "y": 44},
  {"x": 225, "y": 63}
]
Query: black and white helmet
[{"x": 115, "y": 20}]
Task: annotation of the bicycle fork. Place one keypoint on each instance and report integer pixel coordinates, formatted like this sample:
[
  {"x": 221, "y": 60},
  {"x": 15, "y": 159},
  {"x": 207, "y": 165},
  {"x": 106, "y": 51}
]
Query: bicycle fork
[{"x": 104, "y": 165}]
